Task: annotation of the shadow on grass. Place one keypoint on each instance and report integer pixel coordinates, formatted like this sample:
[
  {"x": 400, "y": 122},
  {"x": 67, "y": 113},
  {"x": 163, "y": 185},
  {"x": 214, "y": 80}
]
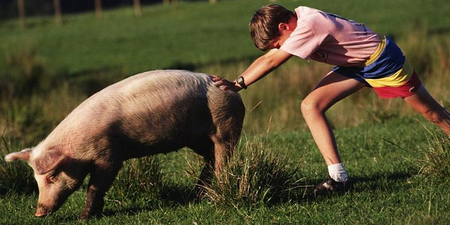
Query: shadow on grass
[
  {"x": 170, "y": 197},
  {"x": 175, "y": 196},
  {"x": 195, "y": 66},
  {"x": 385, "y": 182},
  {"x": 92, "y": 81},
  {"x": 378, "y": 182}
]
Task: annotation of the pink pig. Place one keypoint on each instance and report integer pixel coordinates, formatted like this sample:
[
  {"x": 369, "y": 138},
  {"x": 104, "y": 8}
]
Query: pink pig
[{"x": 149, "y": 113}]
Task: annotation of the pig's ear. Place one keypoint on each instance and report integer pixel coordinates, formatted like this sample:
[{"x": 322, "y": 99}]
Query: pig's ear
[
  {"x": 23, "y": 155},
  {"x": 48, "y": 161}
]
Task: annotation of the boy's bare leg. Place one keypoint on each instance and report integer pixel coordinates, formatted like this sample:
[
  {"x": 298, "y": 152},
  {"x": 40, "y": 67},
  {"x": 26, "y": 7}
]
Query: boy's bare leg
[
  {"x": 425, "y": 104},
  {"x": 331, "y": 89}
]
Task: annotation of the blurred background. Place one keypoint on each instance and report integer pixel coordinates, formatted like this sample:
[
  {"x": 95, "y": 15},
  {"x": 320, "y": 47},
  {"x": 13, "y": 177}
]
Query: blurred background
[
  {"x": 56, "y": 53},
  {"x": 13, "y": 8}
]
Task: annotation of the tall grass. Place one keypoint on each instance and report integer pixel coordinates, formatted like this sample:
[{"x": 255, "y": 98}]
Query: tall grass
[
  {"x": 14, "y": 177},
  {"x": 255, "y": 176},
  {"x": 436, "y": 161}
]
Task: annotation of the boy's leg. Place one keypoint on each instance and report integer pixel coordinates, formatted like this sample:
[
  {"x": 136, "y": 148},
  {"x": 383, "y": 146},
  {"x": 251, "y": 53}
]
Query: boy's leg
[
  {"x": 331, "y": 89},
  {"x": 425, "y": 104}
]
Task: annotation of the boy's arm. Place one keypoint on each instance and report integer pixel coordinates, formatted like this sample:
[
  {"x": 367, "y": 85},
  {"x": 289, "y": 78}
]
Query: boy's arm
[{"x": 257, "y": 70}]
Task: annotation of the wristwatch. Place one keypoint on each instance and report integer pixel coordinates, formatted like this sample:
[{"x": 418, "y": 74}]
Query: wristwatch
[{"x": 241, "y": 82}]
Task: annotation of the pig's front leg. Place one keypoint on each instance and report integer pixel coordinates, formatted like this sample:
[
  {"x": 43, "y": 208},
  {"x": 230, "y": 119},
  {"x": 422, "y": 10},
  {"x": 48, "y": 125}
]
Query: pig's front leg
[
  {"x": 94, "y": 203},
  {"x": 99, "y": 183}
]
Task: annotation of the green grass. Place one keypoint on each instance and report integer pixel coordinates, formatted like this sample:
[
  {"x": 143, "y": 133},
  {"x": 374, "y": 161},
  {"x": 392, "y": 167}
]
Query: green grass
[
  {"x": 399, "y": 161},
  {"x": 389, "y": 188}
]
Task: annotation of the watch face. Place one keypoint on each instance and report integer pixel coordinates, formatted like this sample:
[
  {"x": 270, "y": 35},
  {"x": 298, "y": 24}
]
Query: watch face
[{"x": 240, "y": 81}]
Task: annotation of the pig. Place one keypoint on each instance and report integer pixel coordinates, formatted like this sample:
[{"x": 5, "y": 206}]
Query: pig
[{"x": 148, "y": 113}]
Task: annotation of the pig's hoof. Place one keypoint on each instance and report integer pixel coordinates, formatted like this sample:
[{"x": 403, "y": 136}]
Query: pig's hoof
[{"x": 87, "y": 215}]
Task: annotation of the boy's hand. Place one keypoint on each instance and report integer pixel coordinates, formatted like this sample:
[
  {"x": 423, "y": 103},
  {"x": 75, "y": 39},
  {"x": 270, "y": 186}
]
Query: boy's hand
[{"x": 224, "y": 84}]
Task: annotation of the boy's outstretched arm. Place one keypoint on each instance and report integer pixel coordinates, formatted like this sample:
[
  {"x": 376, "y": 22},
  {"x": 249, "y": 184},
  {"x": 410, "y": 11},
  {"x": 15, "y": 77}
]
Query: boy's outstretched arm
[{"x": 257, "y": 70}]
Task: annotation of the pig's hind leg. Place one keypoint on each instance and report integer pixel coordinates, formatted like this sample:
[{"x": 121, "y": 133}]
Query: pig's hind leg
[
  {"x": 216, "y": 150},
  {"x": 226, "y": 138},
  {"x": 227, "y": 119},
  {"x": 100, "y": 181}
]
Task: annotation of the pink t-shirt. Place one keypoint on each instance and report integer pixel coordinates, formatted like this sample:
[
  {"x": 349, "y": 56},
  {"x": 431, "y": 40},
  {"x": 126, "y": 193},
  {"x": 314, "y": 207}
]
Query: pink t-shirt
[{"x": 329, "y": 38}]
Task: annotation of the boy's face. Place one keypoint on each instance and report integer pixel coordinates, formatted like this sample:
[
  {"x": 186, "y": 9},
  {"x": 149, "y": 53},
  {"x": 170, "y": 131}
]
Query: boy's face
[{"x": 285, "y": 31}]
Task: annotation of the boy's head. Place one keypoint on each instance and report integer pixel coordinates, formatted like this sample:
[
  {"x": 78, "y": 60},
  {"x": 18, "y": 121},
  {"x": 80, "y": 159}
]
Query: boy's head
[{"x": 264, "y": 24}]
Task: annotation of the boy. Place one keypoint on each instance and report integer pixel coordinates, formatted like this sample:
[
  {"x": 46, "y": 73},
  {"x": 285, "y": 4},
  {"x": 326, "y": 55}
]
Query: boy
[{"x": 362, "y": 58}]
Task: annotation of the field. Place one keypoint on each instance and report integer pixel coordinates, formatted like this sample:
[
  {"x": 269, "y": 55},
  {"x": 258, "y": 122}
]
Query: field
[{"x": 400, "y": 162}]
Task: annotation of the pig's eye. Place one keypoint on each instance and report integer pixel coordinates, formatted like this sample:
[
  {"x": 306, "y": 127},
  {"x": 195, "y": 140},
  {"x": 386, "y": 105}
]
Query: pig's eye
[{"x": 51, "y": 178}]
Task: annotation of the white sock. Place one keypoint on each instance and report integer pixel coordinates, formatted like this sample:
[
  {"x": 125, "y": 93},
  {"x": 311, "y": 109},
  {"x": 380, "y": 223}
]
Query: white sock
[{"x": 337, "y": 172}]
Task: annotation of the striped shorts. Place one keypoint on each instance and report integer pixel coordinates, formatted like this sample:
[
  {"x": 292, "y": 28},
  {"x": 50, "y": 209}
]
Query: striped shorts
[{"x": 387, "y": 71}]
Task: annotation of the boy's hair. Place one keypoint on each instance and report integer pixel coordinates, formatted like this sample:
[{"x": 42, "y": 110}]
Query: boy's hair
[{"x": 264, "y": 24}]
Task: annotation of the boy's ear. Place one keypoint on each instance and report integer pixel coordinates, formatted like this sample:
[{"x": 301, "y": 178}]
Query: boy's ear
[{"x": 282, "y": 26}]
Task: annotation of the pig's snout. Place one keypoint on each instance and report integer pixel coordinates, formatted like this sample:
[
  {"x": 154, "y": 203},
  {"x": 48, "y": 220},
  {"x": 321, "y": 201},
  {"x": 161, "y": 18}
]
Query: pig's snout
[{"x": 42, "y": 211}]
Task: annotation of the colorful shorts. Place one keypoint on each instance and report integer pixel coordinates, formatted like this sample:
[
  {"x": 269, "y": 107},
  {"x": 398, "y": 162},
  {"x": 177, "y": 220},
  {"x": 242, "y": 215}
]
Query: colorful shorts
[{"x": 387, "y": 71}]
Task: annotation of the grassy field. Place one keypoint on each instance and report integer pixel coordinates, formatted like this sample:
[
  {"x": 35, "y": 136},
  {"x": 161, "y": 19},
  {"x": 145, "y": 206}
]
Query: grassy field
[
  {"x": 390, "y": 188},
  {"x": 400, "y": 162}
]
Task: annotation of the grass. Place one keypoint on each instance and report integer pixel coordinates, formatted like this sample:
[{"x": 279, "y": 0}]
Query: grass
[
  {"x": 389, "y": 190},
  {"x": 399, "y": 161},
  {"x": 437, "y": 153},
  {"x": 255, "y": 176}
]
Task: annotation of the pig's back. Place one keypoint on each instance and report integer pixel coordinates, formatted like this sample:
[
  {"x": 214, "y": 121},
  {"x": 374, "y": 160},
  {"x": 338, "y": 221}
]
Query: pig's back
[{"x": 146, "y": 109}]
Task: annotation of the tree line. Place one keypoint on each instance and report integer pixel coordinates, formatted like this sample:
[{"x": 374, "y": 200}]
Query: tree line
[{"x": 22, "y": 8}]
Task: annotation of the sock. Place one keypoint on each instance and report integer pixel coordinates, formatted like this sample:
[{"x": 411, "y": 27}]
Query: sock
[{"x": 337, "y": 172}]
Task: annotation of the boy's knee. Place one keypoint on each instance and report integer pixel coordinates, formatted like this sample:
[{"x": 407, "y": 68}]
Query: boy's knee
[{"x": 309, "y": 107}]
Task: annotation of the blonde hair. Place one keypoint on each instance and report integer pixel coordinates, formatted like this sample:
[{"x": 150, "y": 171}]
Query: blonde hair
[{"x": 264, "y": 24}]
